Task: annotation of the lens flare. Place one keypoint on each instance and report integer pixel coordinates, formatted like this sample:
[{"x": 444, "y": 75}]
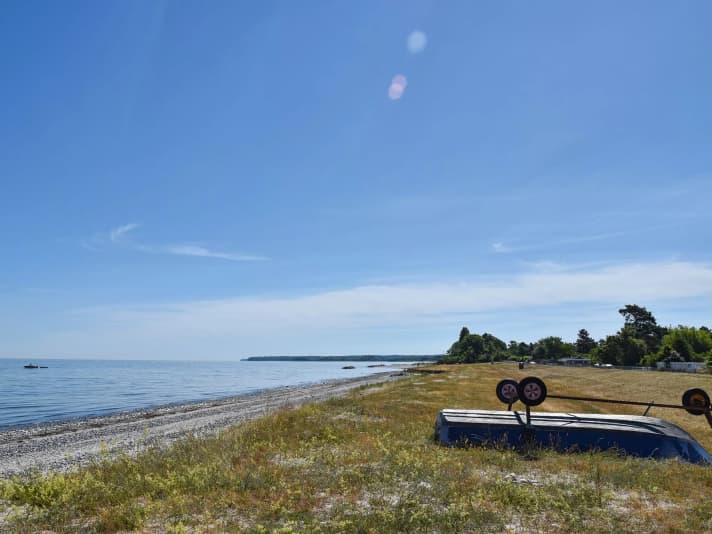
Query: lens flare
[
  {"x": 397, "y": 87},
  {"x": 417, "y": 41}
]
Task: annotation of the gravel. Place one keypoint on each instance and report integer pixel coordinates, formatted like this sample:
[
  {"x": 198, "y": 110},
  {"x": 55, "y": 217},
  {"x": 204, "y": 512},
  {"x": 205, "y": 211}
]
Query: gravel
[{"x": 64, "y": 445}]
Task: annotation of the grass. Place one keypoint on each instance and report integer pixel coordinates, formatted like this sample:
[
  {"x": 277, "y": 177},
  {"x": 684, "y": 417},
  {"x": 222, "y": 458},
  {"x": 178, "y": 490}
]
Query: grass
[{"x": 367, "y": 463}]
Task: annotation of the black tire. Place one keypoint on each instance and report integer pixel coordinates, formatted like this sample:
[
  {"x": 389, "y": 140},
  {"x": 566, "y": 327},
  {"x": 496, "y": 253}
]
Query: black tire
[
  {"x": 696, "y": 397},
  {"x": 507, "y": 391},
  {"x": 531, "y": 391}
]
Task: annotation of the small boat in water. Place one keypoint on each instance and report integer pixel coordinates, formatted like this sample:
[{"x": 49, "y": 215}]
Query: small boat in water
[{"x": 32, "y": 366}]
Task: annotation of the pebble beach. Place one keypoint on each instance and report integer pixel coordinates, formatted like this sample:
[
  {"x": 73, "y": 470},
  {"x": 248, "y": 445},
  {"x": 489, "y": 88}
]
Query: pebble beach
[{"x": 61, "y": 446}]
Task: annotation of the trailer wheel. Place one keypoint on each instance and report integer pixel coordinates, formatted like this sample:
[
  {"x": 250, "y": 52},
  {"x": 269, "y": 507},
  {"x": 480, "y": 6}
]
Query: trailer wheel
[
  {"x": 696, "y": 397},
  {"x": 531, "y": 391},
  {"x": 507, "y": 391}
]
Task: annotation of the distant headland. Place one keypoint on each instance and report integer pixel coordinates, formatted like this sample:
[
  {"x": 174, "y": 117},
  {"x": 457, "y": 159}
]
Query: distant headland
[{"x": 353, "y": 358}]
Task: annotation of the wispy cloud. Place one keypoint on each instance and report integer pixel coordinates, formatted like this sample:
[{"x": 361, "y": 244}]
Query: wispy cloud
[
  {"x": 202, "y": 252},
  {"x": 120, "y": 231},
  {"x": 351, "y": 316},
  {"x": 502, "y": 248},
  {"x": 119, "y": 236}
]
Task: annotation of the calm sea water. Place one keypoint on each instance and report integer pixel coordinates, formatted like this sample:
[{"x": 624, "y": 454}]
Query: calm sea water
[{"x": 76, "y": 388}]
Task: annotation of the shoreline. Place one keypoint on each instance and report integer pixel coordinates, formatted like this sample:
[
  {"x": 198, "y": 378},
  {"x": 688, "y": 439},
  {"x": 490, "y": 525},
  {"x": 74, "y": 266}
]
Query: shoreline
[{"x": 63, "y": 445}]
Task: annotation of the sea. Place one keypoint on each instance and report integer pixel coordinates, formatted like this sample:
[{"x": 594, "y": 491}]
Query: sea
[{"x": 70, "y": 389}]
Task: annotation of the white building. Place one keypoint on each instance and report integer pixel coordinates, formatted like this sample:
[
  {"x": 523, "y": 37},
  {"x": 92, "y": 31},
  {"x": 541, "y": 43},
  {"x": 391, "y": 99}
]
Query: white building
[{"x": 686, "y": 367}]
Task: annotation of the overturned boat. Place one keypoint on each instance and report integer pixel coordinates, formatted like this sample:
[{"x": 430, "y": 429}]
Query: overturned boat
[
  {"x": 632, "y": 435},
  {"x": 647, "y": 437}
]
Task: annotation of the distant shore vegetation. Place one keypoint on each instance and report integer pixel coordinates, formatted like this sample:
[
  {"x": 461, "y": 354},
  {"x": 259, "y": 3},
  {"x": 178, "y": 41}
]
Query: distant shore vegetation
[
  {"x": 352, "y": 358},
  {"x": 641, "y": 341}
]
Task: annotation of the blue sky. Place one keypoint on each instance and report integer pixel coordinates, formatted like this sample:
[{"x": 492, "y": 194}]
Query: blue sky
[{"x": 217, "y": 180}]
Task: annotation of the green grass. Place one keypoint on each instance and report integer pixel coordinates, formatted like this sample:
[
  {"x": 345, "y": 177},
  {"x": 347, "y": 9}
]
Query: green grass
[{"x": 367, "y": 463}]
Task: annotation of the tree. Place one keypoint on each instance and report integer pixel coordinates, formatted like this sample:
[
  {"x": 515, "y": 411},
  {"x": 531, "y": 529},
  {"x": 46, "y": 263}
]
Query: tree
[
  {"x": 690, "y": 343},
  {"x": 621, "y": 349},
  {"x": 640, "y": 340},
  {"x": 525, "y": 349},
  {"x": 519, "y": 349},
  {"x": 552, "y": 348},
  {"x": 585, "y": 343},
  {"x": 473, "y": 348},
  {"x": 494, "y": 347},
  {"x": 469, "y": 349},
  {"x": 643, "y": 326},
  {"x": 464, "y": 333}
]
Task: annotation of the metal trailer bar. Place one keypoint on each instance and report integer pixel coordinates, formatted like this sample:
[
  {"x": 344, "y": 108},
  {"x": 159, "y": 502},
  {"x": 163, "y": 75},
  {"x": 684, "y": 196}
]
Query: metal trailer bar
[
  {"x": 649, "y": 405},
  {"x": 632, "y": 403}
]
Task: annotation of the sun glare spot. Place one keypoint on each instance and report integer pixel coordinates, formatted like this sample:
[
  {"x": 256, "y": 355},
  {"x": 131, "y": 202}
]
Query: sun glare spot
[
  {"x": 417, "y": 41},
  {"x": 397, "y": 87}
]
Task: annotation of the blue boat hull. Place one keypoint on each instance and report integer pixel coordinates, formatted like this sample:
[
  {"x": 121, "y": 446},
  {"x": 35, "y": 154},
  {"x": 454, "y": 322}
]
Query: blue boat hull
[{"x": 647, "y": 437}]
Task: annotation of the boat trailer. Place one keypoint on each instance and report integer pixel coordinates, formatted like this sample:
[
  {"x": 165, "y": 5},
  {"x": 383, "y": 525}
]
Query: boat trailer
[
  {"x": 633, "y": 435},
  {"x": 532, "y": 391}
]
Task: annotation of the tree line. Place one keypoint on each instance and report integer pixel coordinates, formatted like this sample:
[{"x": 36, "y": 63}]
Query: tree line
[{"x": 640, "y": 341}]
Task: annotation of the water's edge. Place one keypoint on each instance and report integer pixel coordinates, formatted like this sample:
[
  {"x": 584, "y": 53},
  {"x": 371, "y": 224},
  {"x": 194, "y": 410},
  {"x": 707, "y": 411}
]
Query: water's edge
[
  {"x": 66, "y": 445},
  {"x": 76, "y": 389},
  {"x": 45, "y": 428}
]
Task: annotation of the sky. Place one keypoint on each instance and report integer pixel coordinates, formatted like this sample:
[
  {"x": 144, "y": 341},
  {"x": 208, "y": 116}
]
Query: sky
[{"x": 192, "y": 180}]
